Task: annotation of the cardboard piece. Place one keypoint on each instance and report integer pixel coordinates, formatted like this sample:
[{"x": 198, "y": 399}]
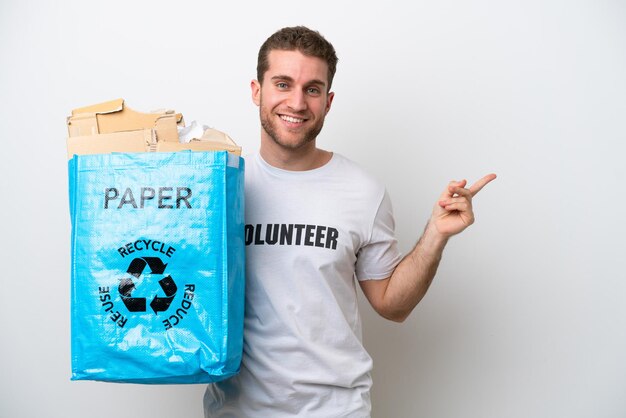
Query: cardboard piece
[
  {"x": 211, "y": 140},
  {"x": 114, "y": 127}
]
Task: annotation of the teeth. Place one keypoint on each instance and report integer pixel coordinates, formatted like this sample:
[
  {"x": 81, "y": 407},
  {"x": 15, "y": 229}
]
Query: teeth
[{"x": 291, "y": 119}]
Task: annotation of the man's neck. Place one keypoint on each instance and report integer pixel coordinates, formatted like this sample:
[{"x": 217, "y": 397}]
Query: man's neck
[{"x": 307, "y": 157}]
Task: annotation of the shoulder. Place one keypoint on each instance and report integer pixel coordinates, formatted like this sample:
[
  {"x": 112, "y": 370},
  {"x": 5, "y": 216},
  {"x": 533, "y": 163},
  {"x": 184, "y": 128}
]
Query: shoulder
[
  {"x": 353, "y": 171},
  {"x": 250, "y": 159}
]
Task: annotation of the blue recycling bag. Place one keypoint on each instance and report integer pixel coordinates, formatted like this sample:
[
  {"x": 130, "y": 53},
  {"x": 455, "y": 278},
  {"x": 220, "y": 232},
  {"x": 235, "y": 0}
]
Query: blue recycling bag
[{"x": 157, "y": 266}]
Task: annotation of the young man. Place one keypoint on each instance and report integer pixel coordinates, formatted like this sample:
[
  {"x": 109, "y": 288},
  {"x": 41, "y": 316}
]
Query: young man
[{"x": 314, "y": 222}]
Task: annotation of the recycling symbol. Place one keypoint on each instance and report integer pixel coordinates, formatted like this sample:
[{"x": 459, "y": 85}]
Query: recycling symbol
[{"x": 127, "y": 286}]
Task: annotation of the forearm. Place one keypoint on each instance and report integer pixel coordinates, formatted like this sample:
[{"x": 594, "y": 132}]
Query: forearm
[
  {"x": 412, "y": 277},
  {"x": 395, "y": 297}
]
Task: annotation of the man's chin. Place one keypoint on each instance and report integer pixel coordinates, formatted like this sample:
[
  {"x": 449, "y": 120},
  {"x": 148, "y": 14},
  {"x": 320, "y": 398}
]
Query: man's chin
[{"x": 290, "y": 140}]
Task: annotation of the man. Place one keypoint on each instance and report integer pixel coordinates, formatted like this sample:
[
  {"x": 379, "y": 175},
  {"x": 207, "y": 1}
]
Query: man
[{"x": 315, "y": 222}]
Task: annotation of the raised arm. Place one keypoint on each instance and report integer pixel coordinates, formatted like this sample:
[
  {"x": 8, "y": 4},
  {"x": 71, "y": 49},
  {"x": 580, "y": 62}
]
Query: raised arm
[{"x": 395, "y": 297}]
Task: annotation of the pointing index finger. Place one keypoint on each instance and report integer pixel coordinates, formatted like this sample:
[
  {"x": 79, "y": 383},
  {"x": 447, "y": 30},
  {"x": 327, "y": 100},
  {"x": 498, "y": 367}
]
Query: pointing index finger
[{"x": 476, "y": 187}]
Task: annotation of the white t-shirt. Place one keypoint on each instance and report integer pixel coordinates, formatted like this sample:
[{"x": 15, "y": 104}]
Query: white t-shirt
[{"x": 309, "y": 234}]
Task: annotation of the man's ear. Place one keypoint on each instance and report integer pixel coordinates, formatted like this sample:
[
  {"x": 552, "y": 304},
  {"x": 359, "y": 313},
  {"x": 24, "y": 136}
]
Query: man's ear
[
  {"x": 255, "y": 86},
  {"x": 329, "y": 101}
]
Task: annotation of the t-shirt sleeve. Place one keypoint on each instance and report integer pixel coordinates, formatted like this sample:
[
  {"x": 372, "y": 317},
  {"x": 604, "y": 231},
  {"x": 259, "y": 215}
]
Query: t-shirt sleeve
[{"x": 379, "y": 256}]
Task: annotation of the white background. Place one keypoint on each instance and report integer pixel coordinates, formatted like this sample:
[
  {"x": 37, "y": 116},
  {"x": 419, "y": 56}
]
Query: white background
[{"x": 526, "y": 317}]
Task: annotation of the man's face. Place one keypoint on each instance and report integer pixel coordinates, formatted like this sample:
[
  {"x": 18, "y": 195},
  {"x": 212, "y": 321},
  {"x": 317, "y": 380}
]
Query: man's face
[{"x": 293, "y": 99}]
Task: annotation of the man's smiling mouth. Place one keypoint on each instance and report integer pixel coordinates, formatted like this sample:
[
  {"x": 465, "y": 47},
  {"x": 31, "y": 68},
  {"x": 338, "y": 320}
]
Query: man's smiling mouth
[{"x": 291, "y": 119}]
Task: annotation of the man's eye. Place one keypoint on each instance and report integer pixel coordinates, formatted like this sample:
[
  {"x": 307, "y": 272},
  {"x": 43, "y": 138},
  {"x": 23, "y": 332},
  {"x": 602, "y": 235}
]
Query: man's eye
[
  {"x": 313, "y": 90},
  {"x": 281, "y": 85}
]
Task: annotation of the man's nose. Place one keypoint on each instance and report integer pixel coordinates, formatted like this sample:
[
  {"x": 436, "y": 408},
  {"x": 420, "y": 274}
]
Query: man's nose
[{"x": 297, "y": 101}]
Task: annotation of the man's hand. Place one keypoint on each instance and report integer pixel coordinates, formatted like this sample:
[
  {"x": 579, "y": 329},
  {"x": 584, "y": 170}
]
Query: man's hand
[
  {"x": 453, "y": 212},
  {"x": 395, "y": 297}
]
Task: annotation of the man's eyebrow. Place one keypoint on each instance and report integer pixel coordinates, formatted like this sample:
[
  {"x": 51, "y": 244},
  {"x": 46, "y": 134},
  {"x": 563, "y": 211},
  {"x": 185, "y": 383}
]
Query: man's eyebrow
[
  {"x": 282, "y": 78},
  {"x": 317, "y": 82}
]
